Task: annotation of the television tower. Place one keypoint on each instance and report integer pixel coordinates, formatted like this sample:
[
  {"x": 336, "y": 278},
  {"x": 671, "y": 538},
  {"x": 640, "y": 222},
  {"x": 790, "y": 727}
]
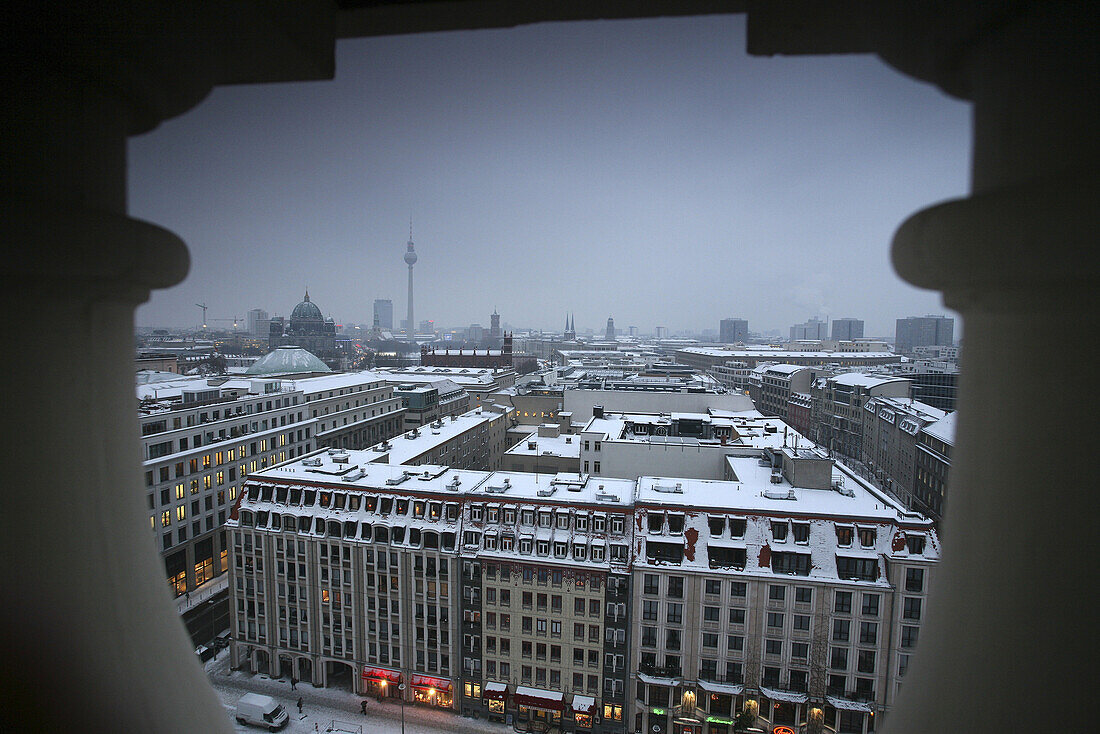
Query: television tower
[{"x": 410, "y": 260}]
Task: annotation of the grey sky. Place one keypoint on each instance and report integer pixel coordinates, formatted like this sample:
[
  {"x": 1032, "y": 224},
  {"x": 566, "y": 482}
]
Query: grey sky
[{"x": 650, "y": 170}]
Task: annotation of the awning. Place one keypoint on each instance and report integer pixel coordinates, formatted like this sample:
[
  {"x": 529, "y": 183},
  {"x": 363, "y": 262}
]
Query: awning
[
  {"x": 727, "y": 688},
  {"x": 496, "y": 691},
  {"x": 658, "y": 680},
  {"x": 843, "y": 703},
  {"x": 789, "y": 696},
  {"x": 425, "y": 681},
  {"x": 538, "y": 698},
  {"x": 584, "y": 705},
  {"x": 379, "y": 674}
]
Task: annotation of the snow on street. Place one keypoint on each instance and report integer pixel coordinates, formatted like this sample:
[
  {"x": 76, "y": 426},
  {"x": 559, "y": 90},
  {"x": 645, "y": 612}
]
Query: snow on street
[{"x": 322, "y": 706}]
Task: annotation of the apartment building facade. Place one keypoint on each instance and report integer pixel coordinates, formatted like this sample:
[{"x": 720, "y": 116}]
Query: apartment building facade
[
  {"x": 837, "y": 408},
  {"x": 890, "y": 430},
  {"x": 792, "y": 590}
]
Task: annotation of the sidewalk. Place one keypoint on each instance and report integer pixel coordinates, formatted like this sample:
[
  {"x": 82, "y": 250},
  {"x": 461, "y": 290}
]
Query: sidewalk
[
  {"x": 320, "y": 705},
  {"x": 188, "y": 601}
]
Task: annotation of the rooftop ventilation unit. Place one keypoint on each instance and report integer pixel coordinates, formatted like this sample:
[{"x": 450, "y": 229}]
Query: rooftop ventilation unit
[
  {"x": 496, "y": 490},
  {"x": 355, "y": 473},
  {"x": 340, "y": 458},
  {"x": 774, "y": 494},
  {"x": 384, "y": 446},
  {"x": 607, "y": 497},
  {"x": 453, "y": 484},
  {"x": 548, "y": 492},
  {"x": 678, "y": 488},
  {"x": 532, "y": 445},
  {"x": 838, "y": 485},
  {"x": 393, "y": 481},
  {"x": 315, "y": 461}
]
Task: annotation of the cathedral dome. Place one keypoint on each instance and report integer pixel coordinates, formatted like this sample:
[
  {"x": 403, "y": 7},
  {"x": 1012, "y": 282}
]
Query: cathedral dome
[{"x": 307, "y": 310}]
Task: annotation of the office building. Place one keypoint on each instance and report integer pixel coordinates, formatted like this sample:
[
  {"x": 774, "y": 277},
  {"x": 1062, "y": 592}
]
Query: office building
[
  {"x": 923, "y": 331},
  {"x": 811, "y": 330},
  {"x": 257, "y": 322},
  {"x": 847, "y": 329},
  {"x": 732, "y": 331},
  {"x": 383, "y": 313}
]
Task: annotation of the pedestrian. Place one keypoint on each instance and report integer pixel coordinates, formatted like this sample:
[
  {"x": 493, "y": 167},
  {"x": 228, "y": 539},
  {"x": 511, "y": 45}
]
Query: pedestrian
[
  {"x": 299, "y": 704},
  {"x": 293, "y": 683},
  {"x": 363, "y": 707}
]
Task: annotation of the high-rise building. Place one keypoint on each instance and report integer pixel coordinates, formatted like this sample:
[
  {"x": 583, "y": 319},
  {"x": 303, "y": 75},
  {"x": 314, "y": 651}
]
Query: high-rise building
[
  {"x": 921, "y": 331},
  {"x": 731, "y": 331},
  {"x": 410, "y": 260},
  {"x": 812, "y": 329},
  {"x": 847, "y": 329},
  {"x": 427, "y": 326},
  {"x": 476, "y": 333},
  {"x": 660, "y": 332},
  {"x": 383, "y": 313},
  {"x": 609, "y": 334},
  {"x": 494, "y": 325},
  {"x": 257, "y": 322}
]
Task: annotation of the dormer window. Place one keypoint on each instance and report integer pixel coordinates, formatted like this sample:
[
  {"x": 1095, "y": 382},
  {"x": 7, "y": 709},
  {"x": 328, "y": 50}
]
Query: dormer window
[
  {"x": 475, "y": 512},
  {"x": 656, "y": 522},
  {"x": 563, "y": 520},
  {"x": 844, "y": 535},
  {"x": 582, "y": 522},
  {"x": 494, "y": 515},
  {"x": 528, "y": 517},
  {"x": 779, "y": 531},
  {"x": 915, "y": 544},
  {"x": 801, "y": 531},
  {"x": 867, "y": 537},
  {"x": 676, "y": 524},
  {"x": 599, "y": 523},
  {"x": 717, "y": 526}
]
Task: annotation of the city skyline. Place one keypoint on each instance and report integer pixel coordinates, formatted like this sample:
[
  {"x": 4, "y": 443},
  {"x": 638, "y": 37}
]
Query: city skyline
[{"x": 574, "y": 181}]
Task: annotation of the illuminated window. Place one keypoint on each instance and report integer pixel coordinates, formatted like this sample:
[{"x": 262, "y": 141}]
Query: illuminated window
[
  {"x": 194, "y": 486},
  {"x": 181, "y": 512},
  {"x": 219, "y": 458},
  {"x": 221, "y": 478},
  {"x": 206, "y": 482},
  {"x": 230, "y": 454},
  {"x": 206, "y": 462},
  {"x": 179, "y": 491}
]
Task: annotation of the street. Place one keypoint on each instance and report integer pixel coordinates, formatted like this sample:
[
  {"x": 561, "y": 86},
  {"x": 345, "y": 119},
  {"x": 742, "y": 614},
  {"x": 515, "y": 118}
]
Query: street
[{"x": 323, "y": 706}]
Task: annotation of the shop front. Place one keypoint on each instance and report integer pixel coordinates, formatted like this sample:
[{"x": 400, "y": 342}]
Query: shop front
[
  {"x": 783, "y": 708},
  {"x": 496, "y": 701},
  {"x": 380, "y": 682},
  {"x": 536, "y": 706},
  {"x": 431, "y": 691},
  {"x": 583, "y": 712},
  {"x": 849, "y": 717}
]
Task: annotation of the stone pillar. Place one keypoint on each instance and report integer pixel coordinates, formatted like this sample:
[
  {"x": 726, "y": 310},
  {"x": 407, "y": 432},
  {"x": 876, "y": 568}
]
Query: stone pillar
[
  {"x": 90, "y": 628},
  {"x": 1009, "y": 627},
  {"x": 91, "y": 636}
]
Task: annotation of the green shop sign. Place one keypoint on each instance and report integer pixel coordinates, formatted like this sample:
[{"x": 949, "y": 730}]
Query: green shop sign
[
  {"x": 659, "y": 712},
  {"x": 716, "y": 720}
]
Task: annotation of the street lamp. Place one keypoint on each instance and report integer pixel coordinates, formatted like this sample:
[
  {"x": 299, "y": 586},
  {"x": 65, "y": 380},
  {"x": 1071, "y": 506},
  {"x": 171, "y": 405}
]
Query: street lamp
[{"x": 401, "y": 688}]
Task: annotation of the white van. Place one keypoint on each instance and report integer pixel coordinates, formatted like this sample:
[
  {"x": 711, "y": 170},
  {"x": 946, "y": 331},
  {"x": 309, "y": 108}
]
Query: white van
[{"x": 253, "y": 708}]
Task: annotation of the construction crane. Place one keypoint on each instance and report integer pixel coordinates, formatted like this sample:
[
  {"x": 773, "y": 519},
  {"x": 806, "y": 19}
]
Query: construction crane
[
  {"x": 235, "y": 320},
  {"x": 203, "y": 307}
]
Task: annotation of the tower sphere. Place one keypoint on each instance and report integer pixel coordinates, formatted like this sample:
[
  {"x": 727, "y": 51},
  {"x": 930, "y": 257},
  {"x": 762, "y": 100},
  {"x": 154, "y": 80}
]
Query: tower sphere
[{"x": 410, "y": 254}]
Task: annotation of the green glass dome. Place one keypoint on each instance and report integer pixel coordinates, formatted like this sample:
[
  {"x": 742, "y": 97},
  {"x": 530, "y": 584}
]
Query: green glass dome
[{"x": 287, "y": 360}]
